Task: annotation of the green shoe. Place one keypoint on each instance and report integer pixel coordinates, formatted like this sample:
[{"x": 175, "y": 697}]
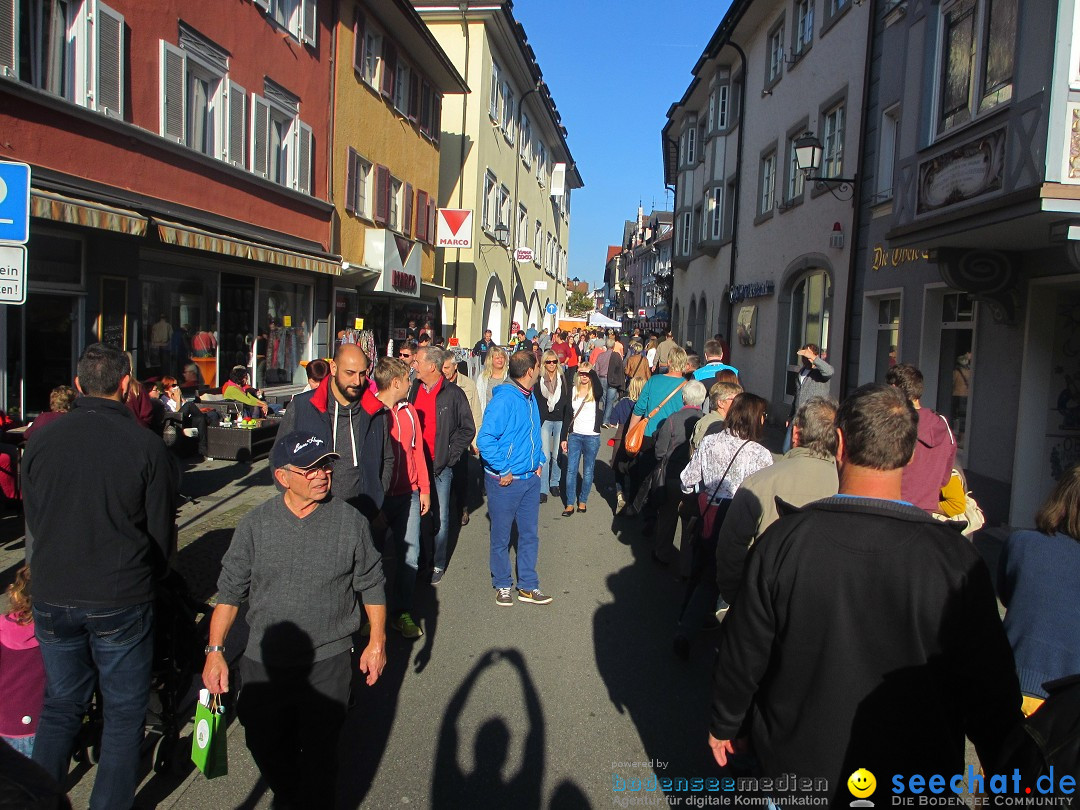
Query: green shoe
[{"x": 405, "y": 625}]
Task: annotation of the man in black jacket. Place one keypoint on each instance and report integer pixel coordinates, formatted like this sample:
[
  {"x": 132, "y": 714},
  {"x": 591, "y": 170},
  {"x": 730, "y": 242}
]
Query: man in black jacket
[
  {"x": 447, "y": 424},
  {"x": 100, "y": 497},
  {"x": 344, "y": 407},
  {"x": 866, "y": 633}
]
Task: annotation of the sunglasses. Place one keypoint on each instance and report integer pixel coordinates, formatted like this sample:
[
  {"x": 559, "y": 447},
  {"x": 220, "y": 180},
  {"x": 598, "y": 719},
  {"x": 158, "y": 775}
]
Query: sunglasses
[
  {"x": 551, "y": 362},
  {"x": 404, "y": 355}
]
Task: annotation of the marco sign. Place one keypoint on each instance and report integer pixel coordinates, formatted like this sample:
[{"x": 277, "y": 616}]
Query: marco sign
[{"x": 454, "y": 228}]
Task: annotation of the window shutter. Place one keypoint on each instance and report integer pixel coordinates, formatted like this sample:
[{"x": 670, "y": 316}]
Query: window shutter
[
  {"x": 407, "y": 224},
  {"x": 173, "y": 69},
  {"x": 237, "y": 123},
  {"x": 358, "y": 43},
  {"x": 389, "y": 68},
  {"x": 414, "y": 96},
  {"x": 382, "y": 194},
  {"x": 350, "y": 182},
  {"x": 9, "y": 37},
  {"x": 309, "y": 22},
  {"x": 108, "y": 73},
  {"x": 260, "y": 131},
  {"x": 421, "y": 215},
  {"x": 431, "y": 208},
  {"x": 304, "y": 151},
  {"x": 436, "y": 117}
]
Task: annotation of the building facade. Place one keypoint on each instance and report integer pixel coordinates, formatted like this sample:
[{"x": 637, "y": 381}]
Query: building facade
[
  {"x": 761, "y": 252},
  {"x": 179, "y": 186},
  {"x": 967, "y": 261},
  {"x": 505, "y": 157},
  {"x": 389, "y": 86}
]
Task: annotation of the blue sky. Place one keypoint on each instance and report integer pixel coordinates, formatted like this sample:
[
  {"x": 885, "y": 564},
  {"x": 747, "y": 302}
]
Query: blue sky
[{"x": 614, "y": 67}]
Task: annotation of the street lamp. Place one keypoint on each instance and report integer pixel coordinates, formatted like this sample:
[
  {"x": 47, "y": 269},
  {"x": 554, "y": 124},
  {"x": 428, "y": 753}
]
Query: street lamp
[
  {"x": 808, "y": 153},
  {"x": 502, "y": 234}
]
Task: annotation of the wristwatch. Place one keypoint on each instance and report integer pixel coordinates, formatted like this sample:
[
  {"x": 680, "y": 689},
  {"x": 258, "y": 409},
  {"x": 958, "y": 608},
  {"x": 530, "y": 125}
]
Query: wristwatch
[{"x": 213, "y": 648}]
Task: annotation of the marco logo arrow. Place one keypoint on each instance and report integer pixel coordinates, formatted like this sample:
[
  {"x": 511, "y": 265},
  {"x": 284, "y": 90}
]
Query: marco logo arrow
[{"x": 455, "y": 219}]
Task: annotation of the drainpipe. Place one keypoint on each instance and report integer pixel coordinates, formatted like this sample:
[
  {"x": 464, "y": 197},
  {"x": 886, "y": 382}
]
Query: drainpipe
[
  {"x": 461, "y": 156},
  {"x": 738, "y": 190},
  {"x": 513, "y": 215}
]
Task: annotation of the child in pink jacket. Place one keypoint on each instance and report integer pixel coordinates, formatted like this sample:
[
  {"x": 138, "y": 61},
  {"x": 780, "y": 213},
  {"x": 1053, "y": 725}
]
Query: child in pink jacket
[{"x": 22, "y": 672}]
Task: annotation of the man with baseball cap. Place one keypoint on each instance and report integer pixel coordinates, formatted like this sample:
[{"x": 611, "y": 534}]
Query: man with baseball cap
[{"x": 300, "y": 560}]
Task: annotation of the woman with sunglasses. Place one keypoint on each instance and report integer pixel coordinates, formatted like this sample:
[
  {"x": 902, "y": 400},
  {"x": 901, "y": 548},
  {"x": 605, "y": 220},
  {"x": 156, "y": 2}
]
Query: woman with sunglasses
[
  {"x": 581, "y": 436},
  {"x": 552, "y": 394}
]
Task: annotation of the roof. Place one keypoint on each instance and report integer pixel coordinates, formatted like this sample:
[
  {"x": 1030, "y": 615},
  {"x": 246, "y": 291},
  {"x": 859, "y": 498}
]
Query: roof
[
  {"x": 400, "y": 19},
  {"x": 612, "y": 252}
]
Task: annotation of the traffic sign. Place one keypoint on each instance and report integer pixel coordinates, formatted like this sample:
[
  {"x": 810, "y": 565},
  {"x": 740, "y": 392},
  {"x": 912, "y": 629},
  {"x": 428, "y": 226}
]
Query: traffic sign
[
  {"x": 14, "y": 203},
  {"x": 454, "y": 228},
  {"x": 12, "y": 274},
  {"x": 552, "y": 309}
]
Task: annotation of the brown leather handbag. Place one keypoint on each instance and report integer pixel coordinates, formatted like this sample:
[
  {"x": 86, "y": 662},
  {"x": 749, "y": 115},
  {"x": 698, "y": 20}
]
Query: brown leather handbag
[{"x": 636, "y": 435}]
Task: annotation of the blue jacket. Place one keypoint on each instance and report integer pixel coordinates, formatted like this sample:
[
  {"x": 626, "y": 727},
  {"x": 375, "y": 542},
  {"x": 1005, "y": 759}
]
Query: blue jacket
[{"x": 509, "y": 439}]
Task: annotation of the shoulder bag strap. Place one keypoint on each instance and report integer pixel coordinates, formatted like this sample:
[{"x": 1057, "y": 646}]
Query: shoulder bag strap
[
  {"x": 720, "y": 483},
  {"x": 664, "y": 402}
]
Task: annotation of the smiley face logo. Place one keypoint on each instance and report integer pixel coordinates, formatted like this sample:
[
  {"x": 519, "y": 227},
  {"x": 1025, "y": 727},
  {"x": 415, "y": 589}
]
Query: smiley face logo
[{"x": 862, "y": 783}]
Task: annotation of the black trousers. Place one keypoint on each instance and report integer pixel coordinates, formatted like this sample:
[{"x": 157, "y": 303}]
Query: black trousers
[{"x": 292, "y": 717}]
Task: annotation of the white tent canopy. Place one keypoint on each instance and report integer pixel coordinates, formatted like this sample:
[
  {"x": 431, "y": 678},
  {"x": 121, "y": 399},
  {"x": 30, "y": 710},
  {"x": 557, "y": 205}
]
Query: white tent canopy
[{"x": 600, "y": 319}]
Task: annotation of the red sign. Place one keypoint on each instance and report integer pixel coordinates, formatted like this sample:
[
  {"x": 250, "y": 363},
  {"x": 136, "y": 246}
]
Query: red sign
[{"x": 403, "y": 282}]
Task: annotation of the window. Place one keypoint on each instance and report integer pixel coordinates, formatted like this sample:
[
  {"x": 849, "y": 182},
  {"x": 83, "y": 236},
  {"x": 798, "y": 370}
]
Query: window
[
  {"x": 796, "y": 178},
  {"x": 776, "y": 53},
  {"x": 358, "y": 185},
  {"x": 955, "y": 368},
  {"x": 526, "y": 140},
  {"x": 508, "y": 112},
  {"x": 402, "y": 82},
  {"x": 768, "y": 183},
  {"x": 522, "y": 227},
  {"x": 389, "y": 68},
  {"x": 298, "y": 17},
  {"x": 721, "y": 94},
  {"x": 504, "y": 207},
  {"x": 832, "y": 158},
  {"x": 487, "y": 220},
  {"x": 71, "y": 48},
  {"x": 685, "y": 237},
  {"x": 407, "y": 211},
  {"x": 281, "y": 146},
  {"x": 811, "y": 307},
  {"x": 541, "y": 164},
  {"x": 888, "y": 336},
  {"x": 690, "y": 145},
  {"x": 200, "y": 107},
  {"x": 372, "y": 57},
  {"x": 538, "y": 234},
  {"x": 836, "y": 6},
  {"x": 977, "y": 58},
  {"x": 715, "y": 219},
  {"x": 496, "y": 92},
  {"x": 887, "y": 139},
  {"x": 804, "y": 25}
]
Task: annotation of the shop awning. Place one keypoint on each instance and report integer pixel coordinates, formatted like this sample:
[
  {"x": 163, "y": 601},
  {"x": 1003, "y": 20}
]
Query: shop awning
[
  {"x": 74, "y": 211},
  {"x": 187, "y": 236}
]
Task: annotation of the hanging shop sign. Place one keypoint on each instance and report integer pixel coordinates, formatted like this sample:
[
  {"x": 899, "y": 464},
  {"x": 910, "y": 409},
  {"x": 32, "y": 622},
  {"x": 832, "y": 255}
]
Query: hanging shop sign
[{"x": 755, "y": 289}]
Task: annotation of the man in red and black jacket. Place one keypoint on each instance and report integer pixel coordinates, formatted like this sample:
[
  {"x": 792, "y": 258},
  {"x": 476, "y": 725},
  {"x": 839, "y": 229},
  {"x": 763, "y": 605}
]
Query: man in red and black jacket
[{"x": 345, "y": 408}]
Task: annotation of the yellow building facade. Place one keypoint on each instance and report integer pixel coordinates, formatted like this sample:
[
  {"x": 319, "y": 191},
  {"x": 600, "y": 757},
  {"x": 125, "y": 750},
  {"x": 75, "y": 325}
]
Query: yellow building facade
[{"x": 390, "y": 84}]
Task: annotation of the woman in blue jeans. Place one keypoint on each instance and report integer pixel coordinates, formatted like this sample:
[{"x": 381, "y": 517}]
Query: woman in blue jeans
[
  {"x": 581, "y": 436},
  {"x": 552, "y": 393}
]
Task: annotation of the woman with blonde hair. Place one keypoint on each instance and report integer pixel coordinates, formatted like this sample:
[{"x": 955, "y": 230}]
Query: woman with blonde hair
[
  {"x": 581, "y": 437},
  {"x": 552, "y": 394},
  {"x": 495, "y": 373}
]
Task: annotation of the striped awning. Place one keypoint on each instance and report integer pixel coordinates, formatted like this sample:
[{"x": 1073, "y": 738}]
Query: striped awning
[
  {"x": 187, "y": 236},
  {"x": 74, "y": 211}
]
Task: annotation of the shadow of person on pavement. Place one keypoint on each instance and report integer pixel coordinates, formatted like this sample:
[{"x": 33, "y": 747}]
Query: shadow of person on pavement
[
  {"x": 486, "y": 785},
  {"x": 667, "y": 700},
  {"x": 568, "y": 796}
]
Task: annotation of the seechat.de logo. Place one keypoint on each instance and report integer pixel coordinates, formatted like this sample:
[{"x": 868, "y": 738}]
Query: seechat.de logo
[{"x": 862, "y": 785}]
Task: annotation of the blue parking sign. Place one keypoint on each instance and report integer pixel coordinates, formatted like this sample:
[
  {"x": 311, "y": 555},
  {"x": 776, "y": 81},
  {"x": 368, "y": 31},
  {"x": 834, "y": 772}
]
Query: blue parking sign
[{"x": 14, "y": 203}]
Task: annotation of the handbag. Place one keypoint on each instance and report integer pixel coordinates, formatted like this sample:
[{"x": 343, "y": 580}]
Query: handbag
[
  {"x": 635, "y": 436},
  {"x": 972, "y": 513},
  {"x": 209, "y": 741}
]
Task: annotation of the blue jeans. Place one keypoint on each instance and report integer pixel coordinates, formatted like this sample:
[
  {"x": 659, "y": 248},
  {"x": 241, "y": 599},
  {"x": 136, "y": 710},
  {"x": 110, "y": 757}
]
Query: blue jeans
[
  {"x": 115, "y": 646},
  {"x": 24, "y": 745},
  {"x": 519, "y": 501},
  {"x": 403, "y": 517},
  {"x": 441, "y": 491},
  {"x": 611, "y": 396},
  {"x": 580, "y": 448},
  {"x": 550, "y": 433}
]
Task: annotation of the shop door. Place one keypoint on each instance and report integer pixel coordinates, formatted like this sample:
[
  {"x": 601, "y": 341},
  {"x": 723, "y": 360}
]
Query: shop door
[
  {"x": 49, "y": 350},
  {"x": 237, "y": 323}
]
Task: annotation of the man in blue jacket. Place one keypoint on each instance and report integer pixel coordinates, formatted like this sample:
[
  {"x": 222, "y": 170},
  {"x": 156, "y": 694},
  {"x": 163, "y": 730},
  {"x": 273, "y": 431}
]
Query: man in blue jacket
[{"x": 510, "y": 450}]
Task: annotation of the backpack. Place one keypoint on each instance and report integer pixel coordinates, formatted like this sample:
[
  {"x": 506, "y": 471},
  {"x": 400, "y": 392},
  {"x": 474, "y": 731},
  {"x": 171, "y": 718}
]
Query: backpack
[{"x": 1046, "y": 745}]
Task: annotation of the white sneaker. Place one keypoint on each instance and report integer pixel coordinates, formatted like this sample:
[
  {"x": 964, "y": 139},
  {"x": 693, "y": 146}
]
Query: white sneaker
[{"x": 191, "y": 433}]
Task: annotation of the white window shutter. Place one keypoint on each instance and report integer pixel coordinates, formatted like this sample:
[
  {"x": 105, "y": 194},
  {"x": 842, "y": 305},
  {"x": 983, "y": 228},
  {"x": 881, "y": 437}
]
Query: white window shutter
[
  {"x": 260, "y": 132},
  {"x": 109, "y": 68},
  {"x": 309, "y": 21},
  {"x": 173, "y": 70},
  {"x": 9, "y": 37},
  {"x": 303, "y": 158},
  {"x": 558, "y": 179},
  {"x": 237, "y": 124}
]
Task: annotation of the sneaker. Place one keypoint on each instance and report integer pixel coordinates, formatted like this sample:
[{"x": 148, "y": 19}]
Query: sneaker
[
  {"x": 191, "y": 433},
  {"x": 405, "y": 625},
  {"x": 503, "y": 597},
  {"x": 536, "y": 596},
  {"x": 437, "y": 575},
  {"x": 543, "y": 497}
]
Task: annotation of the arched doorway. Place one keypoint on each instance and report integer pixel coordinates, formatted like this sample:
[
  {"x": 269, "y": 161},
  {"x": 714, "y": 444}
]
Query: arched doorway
[
  {"x": 691, "y": 319},
  {"x": 805, "y": 317},
  {"x": 494, "y": 303}
]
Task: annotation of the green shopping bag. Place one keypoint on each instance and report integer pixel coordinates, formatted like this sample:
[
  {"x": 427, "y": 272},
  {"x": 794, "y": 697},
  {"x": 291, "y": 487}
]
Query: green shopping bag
[{"x": 209, "y": 750}]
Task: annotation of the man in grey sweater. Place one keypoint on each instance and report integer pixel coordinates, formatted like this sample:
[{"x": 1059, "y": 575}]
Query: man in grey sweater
[{"x": 300, "y": 560}]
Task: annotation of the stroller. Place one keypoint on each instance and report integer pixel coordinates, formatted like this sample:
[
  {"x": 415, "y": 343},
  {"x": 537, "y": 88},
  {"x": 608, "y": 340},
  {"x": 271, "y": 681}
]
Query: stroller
[{"x": 178, "y": 646}]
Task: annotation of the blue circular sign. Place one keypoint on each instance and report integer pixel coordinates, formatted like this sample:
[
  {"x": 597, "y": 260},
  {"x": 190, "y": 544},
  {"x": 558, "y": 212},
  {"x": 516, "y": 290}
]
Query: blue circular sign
[{"x": 552, "y": 309}]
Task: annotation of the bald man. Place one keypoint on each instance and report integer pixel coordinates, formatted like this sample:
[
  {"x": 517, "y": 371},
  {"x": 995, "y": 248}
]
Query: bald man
[{"x": 345, "y": 408}]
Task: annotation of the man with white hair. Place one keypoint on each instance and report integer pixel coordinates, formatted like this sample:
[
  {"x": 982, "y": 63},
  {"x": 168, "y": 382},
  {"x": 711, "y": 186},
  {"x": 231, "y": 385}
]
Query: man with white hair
[{"x": 672, "y": 454}]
